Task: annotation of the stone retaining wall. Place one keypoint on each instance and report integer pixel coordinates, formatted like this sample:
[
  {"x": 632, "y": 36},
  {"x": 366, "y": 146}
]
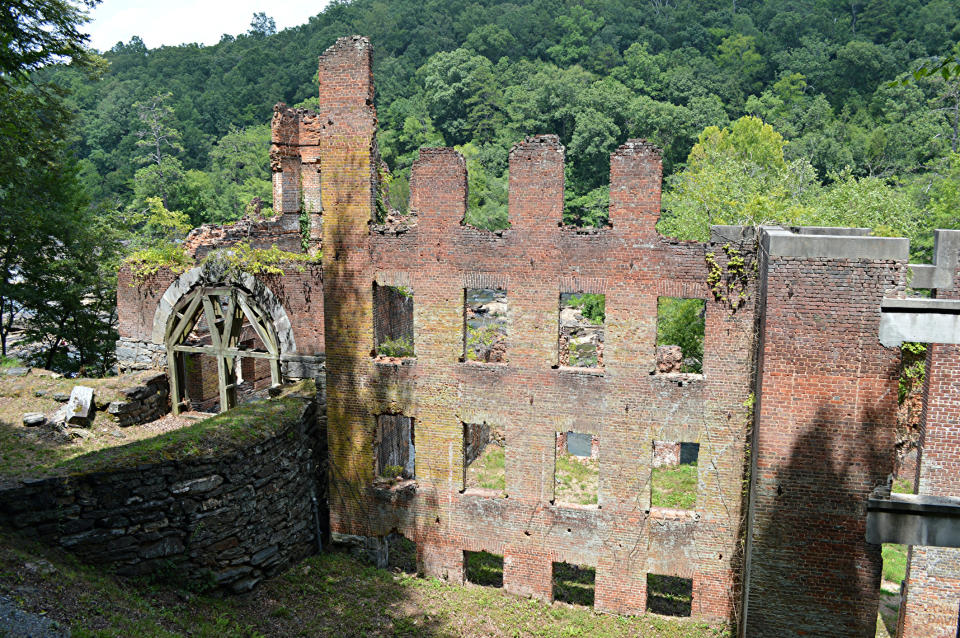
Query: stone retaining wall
[{"x": 229, "y": 521}]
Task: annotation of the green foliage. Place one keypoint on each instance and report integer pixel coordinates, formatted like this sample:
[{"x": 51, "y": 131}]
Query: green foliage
[
  {"x": 399, "y": 347},
  {"x": 817, "y": 134},
  {"x": 591, "y": 305},
  {"x": 146, "y": 262},
  {"x": 913, "y": 368},
  {"x": 481, "y": 340},
  {"x": 242, "y": 258},
  {"x": 392, "y": 471},
  {"x": 681, "y": 322}
]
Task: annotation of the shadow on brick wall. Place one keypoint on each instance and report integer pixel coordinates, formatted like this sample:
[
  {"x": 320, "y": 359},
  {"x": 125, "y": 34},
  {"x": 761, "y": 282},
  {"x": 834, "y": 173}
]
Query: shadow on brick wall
[{"x": 813, "y": 571}]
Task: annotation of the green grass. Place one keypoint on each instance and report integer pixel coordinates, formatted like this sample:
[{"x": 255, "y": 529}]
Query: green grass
[
  {"x": 219, "y": 434},
  {"x": 330, "y": 594},
  {"x": 669, "y": 595},
  {"x": 674, "y": 486},
  {"x": 9, "y": 362},
  {"x": 902, "y": 486},
  {"x": 488, "y": 471},
  {"x": 484, "y": 568},
  {"x": 894, "y": 562},
  {"x": 576, "y": 479},
  {"x": 574, "y": 584}
]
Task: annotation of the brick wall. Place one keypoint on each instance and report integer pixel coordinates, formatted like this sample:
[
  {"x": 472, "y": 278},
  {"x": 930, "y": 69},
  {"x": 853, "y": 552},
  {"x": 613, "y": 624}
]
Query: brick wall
[
  {"x": 528, "y": 398},
  {"x": 932, "y": 595},
  {"x": 825, "y": 434}
]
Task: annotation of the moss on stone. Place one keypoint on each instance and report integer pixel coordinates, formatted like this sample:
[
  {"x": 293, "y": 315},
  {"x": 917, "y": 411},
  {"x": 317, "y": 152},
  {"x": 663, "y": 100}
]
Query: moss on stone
[{"x": 221, "y": 434}]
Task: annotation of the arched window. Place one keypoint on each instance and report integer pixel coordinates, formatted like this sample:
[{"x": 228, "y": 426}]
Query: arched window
[{"x": 226, "y": 312}]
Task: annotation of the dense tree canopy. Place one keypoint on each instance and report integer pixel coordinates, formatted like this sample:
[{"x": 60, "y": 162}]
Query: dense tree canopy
[{"x": 809, "y": 111}]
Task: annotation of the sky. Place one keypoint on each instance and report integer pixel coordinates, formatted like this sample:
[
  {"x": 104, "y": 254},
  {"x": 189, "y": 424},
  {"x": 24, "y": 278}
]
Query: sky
[{"x": 178, "y": 21}]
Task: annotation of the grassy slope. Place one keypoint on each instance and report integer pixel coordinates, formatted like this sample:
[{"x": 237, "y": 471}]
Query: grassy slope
[
  {"x": 27, "y": 451},
  {"x": 326, "y": 595}
]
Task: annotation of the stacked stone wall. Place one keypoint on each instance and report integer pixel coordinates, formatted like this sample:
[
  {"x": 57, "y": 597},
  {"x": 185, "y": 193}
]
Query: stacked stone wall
[
  {"x": 231, "y": 521},
  {"x": 143, "y": 403}
]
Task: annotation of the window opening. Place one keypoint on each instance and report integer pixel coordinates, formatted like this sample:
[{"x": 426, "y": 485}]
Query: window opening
[
  {"x": 673, "y": 479},
  {"x": 576, "y": 469},
  {"x": 680, "y": 333},
  {"x": 574, "y": 584},
  {"x": 484, "y": 457},
  {"x": 395, "y": 449},
  {"x": 582, "y": 317},
  {"x": 669, "y": 595},
  {"x": 393, "y": 321},
  {"x": 484, "y": 568},
  {"x": 485, "y": 325}
]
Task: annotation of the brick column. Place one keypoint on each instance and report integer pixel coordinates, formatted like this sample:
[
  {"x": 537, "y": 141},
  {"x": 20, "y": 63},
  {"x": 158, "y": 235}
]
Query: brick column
[
  {"x": 441, "y": 561},
  {"x": 930, "y": 606},
  {"x": 528, "y": 573}
]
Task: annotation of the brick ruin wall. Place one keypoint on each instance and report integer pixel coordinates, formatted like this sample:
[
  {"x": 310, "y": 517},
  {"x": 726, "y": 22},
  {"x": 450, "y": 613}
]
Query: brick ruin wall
[
  {"x": 826, "y": 417},
  {"x": 529, "y": 398},
  {"x": 929, "y": 606},
  {"x": 798, "y": 368}
]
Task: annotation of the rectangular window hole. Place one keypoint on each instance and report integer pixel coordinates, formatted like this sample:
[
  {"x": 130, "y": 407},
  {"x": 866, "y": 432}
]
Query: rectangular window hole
[
  {"x": 574, "y": 584},
  {"x": 582, "y": 317},
  {"x": 485, "y": 325},
  {"x": 393, "y": 321},
  {"x": 576, "y": 469},
  {"x": 680, "y": 332},
  {"x": 484, "y": 457},
  {"x": 673, "y": 478},
  {"x": 669, "y": 595},
  {"x": 402, "y": 553},
  {"x": 394, "y": 447},
  {"x": 484, "y": 568}
]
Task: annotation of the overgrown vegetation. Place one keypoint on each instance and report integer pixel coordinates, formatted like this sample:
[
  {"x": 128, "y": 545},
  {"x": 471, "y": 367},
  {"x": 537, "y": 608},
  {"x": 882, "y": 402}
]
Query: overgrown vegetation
[
  {"x": 399, "y": 347},
  {"x": 674, "y": 486},
  {"x": 222, "y": 433},
  {"x": 592, "y": 306}
]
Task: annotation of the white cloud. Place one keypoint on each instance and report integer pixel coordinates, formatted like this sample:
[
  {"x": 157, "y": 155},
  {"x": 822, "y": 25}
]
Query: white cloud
[{"x": 175, "y": 22}]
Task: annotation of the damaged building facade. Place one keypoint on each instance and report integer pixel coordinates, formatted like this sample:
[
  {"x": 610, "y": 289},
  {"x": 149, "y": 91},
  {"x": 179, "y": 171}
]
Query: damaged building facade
[{"x": 440, "y": 345}]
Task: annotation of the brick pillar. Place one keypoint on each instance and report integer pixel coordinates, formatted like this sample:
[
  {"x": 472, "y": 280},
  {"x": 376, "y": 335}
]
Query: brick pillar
[
  {"x": 347, "y": 146},
  {"x": 930, "y": 606},
  {"x": 536, "y": 184},
  {"x": 441, "y": 561},
  {"x": 310, "y": 176},
  {"x": 621, "y": 582},
  {"x": 636, "y": 172},
  {"x": 826, "y": 416},
  {"x": 528, "y": 573}
]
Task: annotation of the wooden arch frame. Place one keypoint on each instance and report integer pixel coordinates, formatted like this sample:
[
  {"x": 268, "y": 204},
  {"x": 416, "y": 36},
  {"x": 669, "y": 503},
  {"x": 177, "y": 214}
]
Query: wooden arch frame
[{"x": 224, "y": 324}]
